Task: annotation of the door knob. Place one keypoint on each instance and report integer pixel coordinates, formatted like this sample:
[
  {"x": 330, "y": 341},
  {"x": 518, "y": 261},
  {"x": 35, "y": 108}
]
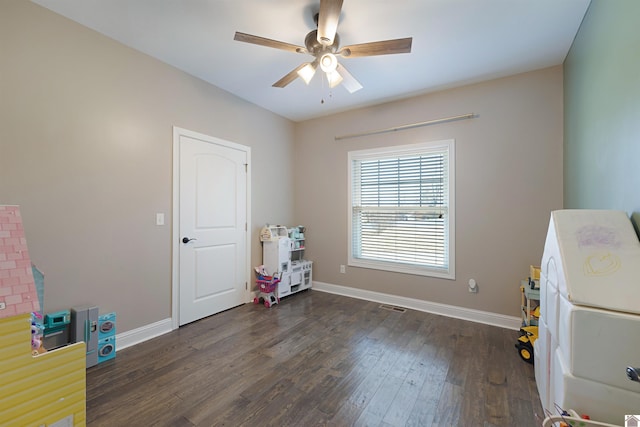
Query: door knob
[
  {"x": 633, "y": 374},
  {"x": 187, "y": 240}
]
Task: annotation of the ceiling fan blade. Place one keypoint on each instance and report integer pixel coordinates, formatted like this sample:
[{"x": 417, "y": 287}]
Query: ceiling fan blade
[
  {"x": 289, "y": 77},
  {"x": 385, "y": 47},
  {"x": 348, "y": 81},
  {"x": 328, "y": 18},
  {"x": 262, "y": 41}
]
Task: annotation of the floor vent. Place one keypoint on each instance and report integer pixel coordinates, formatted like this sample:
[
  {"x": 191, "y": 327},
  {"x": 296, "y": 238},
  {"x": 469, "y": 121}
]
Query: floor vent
[{"x": 392, "y": 308}]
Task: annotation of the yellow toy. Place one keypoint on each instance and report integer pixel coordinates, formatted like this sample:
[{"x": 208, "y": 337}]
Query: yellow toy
[{"x": 528, "y": 335}]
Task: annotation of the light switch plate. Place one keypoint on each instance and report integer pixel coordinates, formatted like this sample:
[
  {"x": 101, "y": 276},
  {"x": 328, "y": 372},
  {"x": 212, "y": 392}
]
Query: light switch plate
[{"x": 159, "y": 219}]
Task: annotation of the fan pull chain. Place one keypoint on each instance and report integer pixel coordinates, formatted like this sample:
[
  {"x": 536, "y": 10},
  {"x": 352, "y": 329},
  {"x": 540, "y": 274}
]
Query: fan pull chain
[{"x": 323, "y": 89}]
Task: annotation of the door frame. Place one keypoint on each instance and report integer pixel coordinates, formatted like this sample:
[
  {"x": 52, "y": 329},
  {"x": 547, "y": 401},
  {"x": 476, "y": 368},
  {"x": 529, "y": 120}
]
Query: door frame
[{"x": 175, "y": 234}]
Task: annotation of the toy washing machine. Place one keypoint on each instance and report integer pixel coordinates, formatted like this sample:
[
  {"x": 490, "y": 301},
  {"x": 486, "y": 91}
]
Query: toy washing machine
[
  {"x": 106, "y": 337},
  {"x": 106, "y": 349}
]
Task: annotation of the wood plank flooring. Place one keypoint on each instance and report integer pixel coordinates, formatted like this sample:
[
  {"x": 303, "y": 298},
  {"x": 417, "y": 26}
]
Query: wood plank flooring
[{"x": 318, "y": 359}]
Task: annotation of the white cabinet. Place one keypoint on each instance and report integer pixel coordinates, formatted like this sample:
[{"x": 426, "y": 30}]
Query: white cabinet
[{"x": 298, "y": 279}]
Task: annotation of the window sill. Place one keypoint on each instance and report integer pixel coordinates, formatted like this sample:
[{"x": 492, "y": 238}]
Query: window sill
[{"x": 403, "y": 268}]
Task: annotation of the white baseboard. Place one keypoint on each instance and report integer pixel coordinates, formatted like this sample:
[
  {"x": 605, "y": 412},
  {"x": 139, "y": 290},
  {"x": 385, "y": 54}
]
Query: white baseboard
[
  {"x": 142, "y": 334},
  {"x": 478, "y": 316}
]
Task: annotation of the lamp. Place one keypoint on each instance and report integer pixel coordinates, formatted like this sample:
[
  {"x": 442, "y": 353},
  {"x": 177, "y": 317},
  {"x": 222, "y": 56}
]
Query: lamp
[
  {"x": 328, "y": 62},
  {"x": 307, "y": 72}
]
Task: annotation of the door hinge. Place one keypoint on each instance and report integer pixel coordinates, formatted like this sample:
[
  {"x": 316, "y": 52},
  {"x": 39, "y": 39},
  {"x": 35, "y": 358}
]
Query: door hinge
[
  {"x": 246, "y": 286},
  {"x": 246, "y": 227},
  {"x": 246, "y": 167}
]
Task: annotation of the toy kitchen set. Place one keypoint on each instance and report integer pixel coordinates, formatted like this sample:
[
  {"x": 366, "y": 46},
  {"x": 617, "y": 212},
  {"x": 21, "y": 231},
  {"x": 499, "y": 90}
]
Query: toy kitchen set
[{"x": 283, "y": 255}]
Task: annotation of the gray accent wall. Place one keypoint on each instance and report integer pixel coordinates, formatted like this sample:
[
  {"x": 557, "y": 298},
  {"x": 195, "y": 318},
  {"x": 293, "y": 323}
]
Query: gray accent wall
[{"x": 602, "y": 110}]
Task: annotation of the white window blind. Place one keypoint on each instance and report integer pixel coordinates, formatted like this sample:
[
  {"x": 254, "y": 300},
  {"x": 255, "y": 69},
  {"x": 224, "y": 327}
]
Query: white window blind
[{"x": 401, "y": 210}]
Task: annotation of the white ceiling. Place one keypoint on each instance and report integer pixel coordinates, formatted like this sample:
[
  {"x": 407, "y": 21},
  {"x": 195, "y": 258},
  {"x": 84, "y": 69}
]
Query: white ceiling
[{"x": 455, "y": 42}]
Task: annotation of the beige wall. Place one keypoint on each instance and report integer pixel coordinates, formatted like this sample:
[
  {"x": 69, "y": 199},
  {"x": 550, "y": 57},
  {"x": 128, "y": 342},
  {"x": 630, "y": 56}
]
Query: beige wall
[
  {"x": 508, "y": 179},
  {"x": 86, "y": 150}
]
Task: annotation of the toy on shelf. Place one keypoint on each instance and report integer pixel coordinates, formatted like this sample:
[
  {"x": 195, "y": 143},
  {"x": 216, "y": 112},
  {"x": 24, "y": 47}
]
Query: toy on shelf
[
  {"x": 534, "y": 277},
  {"x": 531, "y": 316},
  {"x": 37, "y": 331},
  {"x": 271, "y": 233}
]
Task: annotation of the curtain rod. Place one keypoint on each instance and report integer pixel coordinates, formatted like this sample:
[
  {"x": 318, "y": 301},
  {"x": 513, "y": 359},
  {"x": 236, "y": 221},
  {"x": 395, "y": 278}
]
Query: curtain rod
[{"x": 409, "y": 126}]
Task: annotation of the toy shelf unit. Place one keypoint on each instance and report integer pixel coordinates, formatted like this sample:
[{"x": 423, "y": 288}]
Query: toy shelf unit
[
  {"x": 283, "y": 255},
  {"x": 296, "y": 234},
  {"x": 529, "y": 290},
  {"x": 528, "y": 314}
]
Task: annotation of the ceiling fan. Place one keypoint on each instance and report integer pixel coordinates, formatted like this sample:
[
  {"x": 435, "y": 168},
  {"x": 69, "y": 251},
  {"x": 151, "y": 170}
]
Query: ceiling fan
[{"x": 324, "y": 45}]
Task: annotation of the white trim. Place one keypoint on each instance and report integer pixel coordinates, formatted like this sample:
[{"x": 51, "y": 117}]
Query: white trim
[
  {"x": 478, "y": 316},
  {"x": 175, "y": 247},
  {"x": 142, "y": 334},
  {"x": 175, "y": 231}
]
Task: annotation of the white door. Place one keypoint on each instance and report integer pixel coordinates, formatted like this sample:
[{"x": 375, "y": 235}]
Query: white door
[{"x": 212, "y": 237}]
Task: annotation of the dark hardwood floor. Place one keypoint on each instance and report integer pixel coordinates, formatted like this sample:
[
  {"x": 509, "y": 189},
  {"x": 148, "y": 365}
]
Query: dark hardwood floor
[{"x": 318, "y": 359}]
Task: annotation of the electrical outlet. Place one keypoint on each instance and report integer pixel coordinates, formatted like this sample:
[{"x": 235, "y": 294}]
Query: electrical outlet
[
  {"x": 343, "y": 269},
  {"x": 2, "y": 306},
  {"x": 473, "y": 286}
]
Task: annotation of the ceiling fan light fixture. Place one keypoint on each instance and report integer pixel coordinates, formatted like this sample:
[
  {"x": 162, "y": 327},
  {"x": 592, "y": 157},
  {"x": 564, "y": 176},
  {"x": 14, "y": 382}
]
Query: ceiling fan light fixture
[
  {"x": 328, "y": 62},
  {"x": 323, "y": 44},
  {"x": 334, "y": 78},
  {"x": 307, "y": 72}
]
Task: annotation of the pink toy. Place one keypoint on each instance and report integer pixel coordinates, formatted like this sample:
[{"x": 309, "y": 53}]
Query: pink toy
[{"x": 36, "y": 334}]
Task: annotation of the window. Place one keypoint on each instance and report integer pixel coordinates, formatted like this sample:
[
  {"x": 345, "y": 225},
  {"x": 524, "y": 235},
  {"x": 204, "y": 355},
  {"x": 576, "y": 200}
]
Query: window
[{"x": 401, "y": 209}]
